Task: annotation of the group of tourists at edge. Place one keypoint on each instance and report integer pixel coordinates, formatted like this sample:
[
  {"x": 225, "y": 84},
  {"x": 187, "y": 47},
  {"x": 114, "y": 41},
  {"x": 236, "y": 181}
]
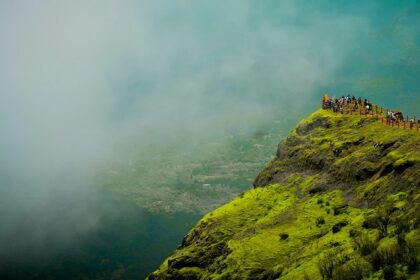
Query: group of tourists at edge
[{"x": 356, "y": 106}]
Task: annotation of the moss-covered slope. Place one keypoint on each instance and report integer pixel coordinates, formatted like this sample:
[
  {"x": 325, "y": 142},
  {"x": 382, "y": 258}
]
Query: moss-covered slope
[{"x": 339, "y": 201}]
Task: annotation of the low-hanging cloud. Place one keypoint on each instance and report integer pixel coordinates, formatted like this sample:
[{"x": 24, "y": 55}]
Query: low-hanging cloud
[{"x": 77, "y": 77}]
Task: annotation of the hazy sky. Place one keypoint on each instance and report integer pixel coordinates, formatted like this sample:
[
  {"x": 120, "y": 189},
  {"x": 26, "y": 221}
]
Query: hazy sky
[{"x": 76, "y": 77}]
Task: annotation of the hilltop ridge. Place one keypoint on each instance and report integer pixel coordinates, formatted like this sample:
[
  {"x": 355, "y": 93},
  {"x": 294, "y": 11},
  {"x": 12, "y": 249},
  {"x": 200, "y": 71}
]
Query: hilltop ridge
[{"x": 340, "y": 200}]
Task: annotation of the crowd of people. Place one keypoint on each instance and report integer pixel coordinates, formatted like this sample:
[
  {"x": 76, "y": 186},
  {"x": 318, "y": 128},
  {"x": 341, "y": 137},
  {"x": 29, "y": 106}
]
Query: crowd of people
[
  {"x": 352, "y": 104},
  {"x": 346, "y": 101},
  {"x": 392, "y": 117}
]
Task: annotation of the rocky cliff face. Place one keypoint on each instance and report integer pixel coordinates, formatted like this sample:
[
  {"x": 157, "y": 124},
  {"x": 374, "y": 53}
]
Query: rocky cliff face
[{"x": 339, "y": 201}]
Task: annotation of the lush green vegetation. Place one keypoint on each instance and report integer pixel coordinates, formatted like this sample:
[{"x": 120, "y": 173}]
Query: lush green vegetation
[
  {"x": 181, "y": 174},
  {"x": 339, "y": 201}
]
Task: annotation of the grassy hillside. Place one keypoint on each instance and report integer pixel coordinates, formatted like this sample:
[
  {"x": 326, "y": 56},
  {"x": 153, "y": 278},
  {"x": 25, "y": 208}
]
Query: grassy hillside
[{"x": 339, "y": 201}]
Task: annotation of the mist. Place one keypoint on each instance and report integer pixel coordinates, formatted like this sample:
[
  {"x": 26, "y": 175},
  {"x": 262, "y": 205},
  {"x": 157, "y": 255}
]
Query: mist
[{"x": 79, "y": 80}]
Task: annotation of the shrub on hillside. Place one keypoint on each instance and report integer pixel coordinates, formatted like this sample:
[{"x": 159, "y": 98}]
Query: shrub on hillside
[
  {"x": 284, "y": 236},
  {"x": 319, "y": 221},
  {"x": 329, "y": 263},
  {"x": 354, "y": 269},
  {"x": 364, "y": 244},
  {"x": 336, "y": 266},
  {"x": 338, "y": 226}
]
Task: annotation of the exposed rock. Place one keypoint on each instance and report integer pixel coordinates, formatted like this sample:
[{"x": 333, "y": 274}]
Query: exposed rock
[{"x": 317, "y": 122}]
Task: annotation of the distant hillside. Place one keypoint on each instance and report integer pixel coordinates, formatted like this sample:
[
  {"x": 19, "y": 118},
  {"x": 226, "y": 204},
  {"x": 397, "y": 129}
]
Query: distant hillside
[
  {"x": 194, "y": 176},
  {"x": 339, "y": 201}
]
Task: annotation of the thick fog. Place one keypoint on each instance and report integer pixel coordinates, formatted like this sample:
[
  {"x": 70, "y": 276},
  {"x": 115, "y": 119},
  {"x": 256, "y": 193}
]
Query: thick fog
[{"x": 79, "y": 78}]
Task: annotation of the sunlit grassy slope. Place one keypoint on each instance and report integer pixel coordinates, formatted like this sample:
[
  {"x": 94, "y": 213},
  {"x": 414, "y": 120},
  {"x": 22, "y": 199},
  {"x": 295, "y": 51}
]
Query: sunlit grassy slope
[{"x": 339, "y": 201}]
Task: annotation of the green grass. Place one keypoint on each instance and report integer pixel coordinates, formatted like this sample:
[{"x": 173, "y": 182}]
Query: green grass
[{"x": 342, "y": 187}]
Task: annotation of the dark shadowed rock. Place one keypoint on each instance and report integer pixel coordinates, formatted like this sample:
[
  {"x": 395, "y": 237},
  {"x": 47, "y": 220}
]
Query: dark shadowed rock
[{"x": 315, "y": 123}]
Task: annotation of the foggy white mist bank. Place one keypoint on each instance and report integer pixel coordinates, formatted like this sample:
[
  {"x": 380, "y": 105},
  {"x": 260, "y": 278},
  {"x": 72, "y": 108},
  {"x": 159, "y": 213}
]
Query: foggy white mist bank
[{"x": 80, "y": 78}]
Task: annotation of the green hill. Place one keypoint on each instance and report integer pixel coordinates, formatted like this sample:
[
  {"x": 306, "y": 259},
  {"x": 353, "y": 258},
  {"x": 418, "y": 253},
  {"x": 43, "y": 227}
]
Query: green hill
[{"x": 339, "y": 201}]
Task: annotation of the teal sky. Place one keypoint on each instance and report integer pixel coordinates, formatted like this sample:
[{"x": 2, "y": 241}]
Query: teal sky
[{"x": 256, "y": 55}]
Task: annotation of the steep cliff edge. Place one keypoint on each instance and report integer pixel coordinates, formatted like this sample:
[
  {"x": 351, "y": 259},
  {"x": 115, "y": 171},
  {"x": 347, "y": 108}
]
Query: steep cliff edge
[{"x": 339, "y": 201}]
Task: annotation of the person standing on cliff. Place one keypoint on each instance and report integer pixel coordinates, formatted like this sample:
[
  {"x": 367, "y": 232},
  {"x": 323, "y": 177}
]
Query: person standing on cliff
[{"x": 325, "y": 101}]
